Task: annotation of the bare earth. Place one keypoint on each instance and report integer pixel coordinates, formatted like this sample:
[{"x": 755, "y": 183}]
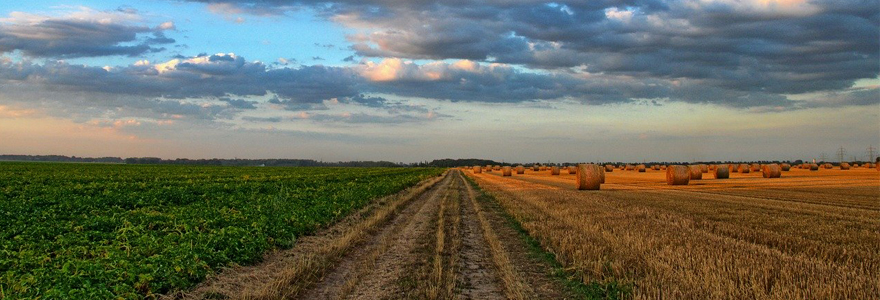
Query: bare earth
[{"x": 435, "y": 241}]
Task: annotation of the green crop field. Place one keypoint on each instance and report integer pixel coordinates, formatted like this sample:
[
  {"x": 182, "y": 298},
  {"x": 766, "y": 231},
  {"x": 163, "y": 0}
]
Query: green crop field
[{"x": 91, "y": 231}]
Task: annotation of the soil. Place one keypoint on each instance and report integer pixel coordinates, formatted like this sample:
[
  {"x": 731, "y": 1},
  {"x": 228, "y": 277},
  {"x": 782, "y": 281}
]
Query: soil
[{"x": 401, "y": 256}]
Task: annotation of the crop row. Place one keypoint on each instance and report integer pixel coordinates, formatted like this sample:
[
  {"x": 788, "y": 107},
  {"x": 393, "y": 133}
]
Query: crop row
[{"x": 81, "y": 231}]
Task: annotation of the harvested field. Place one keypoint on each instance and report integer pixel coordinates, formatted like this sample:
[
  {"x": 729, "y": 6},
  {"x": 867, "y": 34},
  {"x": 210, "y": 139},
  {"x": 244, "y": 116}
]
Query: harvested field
[{"x": 807, "y": 235}]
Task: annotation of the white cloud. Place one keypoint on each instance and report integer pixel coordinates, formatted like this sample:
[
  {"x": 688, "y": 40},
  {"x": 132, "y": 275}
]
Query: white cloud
[
  {"x": 167, "y": 26},
  {"x": 619, "y": 15}
]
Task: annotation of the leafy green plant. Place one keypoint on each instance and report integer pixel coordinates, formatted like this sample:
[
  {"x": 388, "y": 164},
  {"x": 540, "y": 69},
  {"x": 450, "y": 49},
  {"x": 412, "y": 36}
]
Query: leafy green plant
[{"x": 91, "y": 231}]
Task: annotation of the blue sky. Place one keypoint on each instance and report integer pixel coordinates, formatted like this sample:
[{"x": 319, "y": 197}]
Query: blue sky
[
  {"x": 297, "y": 34},
  {"x": 410, "y": 81}
]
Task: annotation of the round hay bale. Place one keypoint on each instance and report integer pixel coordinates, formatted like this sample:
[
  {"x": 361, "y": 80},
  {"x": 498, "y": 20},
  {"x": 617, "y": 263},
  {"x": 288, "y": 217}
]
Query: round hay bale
[
  {"x": 630, "y": 167},
  {"x": 497, "y": 168},
  {"x": 869, "y": 165},
  {"x": 755, "y": 168},
  {"x": 655, "y": 167},
  {"x": 844, "y": 166},
  {"x": 572, "y": 169},
  {"x": 505, "y": 171},
  {"x": 743, "y": 168},
  {"x": 722, "y": 172},
  {"x": 478, "y": 169},
  {"x": 785, "y": 167},
  {"x": 589, "y": 177},
  {"x": 609, "y": 168},
  {"x": 828, "y": 166},
  {"x": 814, "y": 167},
  {"x": 696, "y": 173},
  {"x": 535, "y": 168},
  {"x": 771, "y": 171},
  {"x": 855, "y": 165},
  {"x": 663, "y": 167},
  {"x": 677, "y": 175},
  {"x": 704, "y": 168},
  {"x": 520, "y": 170},
  {"x": 640, "y": 168},
  {"x": 733, "y": 168},
  {"x": 601, "y": 174},
  {"x": 554, "y": 170}
]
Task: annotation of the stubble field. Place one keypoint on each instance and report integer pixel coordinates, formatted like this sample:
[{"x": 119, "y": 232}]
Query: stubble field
[{"x": 807, "y": 235}]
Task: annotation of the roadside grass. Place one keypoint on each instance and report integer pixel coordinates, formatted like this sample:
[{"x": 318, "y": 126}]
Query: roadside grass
[{"x": 610, "y": 290}]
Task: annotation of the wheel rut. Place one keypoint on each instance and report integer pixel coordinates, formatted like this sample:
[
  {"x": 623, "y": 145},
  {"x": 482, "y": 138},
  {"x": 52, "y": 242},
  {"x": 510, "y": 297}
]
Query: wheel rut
[
  {"x": 445, "y": 241},
  {"x": 370, "y": 271}
]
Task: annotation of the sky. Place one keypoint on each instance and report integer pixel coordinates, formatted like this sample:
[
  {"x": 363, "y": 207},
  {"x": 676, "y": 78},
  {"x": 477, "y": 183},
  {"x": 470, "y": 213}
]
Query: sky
[{"x": 409, "y": 81}]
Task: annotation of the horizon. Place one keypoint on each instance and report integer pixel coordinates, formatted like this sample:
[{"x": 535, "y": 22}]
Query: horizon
[
  {"x": 396, "y": 81},
  {"x": 42, "y": 158}
]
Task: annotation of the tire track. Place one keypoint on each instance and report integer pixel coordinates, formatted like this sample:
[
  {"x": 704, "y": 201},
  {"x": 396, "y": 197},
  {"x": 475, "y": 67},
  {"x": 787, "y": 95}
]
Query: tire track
[{"x": 371, "y": 271}]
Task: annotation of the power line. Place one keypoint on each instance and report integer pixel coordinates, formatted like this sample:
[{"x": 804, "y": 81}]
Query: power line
[
  {"x": 840, "y": 154},
  {"x": 871, "y": 150},
  {"x": 823, "y": 157}
]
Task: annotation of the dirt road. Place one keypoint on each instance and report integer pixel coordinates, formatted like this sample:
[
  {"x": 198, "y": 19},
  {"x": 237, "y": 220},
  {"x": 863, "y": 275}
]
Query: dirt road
[{"x": 441, "y": 240}]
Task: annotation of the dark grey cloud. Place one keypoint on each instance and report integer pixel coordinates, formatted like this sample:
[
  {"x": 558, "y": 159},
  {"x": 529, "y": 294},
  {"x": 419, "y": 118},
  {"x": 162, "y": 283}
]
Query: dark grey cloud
[
  {"x": 306, "y": 87},
  {"x": 64, "y": 37},
  {"x": 394, "y": 107},
  {"x": 854, "y": 97},
  {"x": 746, "y": 50},
  {"x": 263, "y": 119},
  {"x": 469, "y": 81},
  {"x": 190, "y": 89},
  {"x": 216, "y": 76}
]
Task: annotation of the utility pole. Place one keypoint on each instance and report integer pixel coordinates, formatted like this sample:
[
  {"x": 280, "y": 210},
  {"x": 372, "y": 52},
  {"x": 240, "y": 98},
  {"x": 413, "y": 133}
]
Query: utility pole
[
  {"x": 871, "y": 150},
  {"x": 840, "y": 154}
]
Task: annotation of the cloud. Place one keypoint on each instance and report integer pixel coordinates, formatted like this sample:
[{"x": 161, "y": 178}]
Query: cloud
[
  {"x": 863, "y": 96},
  {"x": 471, "y": 81},
  {"x": 364, "y": 118},
  {"x": 180, "y": 86},
  {"x": 744, "y": 49},
  {"x": 10, "y": 112},
  {"x": 262, "y": 119},
  {"x": 286, "y": 61},
  {"x": 81, "y": 33},
  {"x": 326, "y": 46},
  {"x": 167, "y": 26},
  {"x": 192, "y": 89},
  {"x": 239, "y": 103}
]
